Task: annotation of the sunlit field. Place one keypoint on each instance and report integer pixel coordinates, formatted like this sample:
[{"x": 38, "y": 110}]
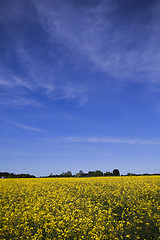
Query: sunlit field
[{"x": 81, "y": 208}]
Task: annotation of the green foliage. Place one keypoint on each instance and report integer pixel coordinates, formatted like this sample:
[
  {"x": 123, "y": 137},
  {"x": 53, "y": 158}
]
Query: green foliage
[
  {"x": 13, "y": 175},
  {"x": 116, "y": 172}
]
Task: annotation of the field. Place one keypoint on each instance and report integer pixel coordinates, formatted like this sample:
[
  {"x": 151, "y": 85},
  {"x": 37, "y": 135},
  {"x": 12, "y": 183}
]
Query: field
[{"x": 81, "y": 208}]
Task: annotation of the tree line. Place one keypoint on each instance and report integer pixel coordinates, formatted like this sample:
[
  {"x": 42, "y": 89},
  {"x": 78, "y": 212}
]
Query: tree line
[
  {"x": 96, "y": 173},
  {"x": 13, "y": 175}
]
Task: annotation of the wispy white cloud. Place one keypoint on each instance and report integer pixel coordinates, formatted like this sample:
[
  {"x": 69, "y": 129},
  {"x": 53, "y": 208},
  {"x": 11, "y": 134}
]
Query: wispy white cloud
[
  {"x": 97, "y": 35},
  {"x": 12, "y": 81},
  {"x": 124, "y": 48},
  {"x": 19, "y": 100},
  {"x": 4, "y": 83},
  {"x": 105, "y": 140},
  {"x": 42, "y": 78},
  {"x": 27, "y": 127}
]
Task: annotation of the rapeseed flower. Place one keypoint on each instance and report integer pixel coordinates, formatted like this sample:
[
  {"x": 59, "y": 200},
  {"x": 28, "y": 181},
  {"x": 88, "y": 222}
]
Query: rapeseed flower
[{"x": 84, "y": 208}]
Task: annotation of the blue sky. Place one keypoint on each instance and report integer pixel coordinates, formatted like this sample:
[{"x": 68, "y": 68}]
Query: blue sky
[{"x": 79, "y": 86}]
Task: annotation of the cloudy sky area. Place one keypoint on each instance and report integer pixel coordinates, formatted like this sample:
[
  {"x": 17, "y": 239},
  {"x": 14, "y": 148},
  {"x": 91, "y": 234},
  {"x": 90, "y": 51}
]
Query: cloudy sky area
[{"x": 79, "y": 86}]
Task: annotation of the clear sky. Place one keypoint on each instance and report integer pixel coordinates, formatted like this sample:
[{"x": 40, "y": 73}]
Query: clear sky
[{"x": 79, "y": 86}]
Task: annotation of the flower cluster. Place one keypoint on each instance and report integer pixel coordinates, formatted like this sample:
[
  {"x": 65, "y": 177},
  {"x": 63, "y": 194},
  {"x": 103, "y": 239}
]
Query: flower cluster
[{"x": 81, "y": 208}]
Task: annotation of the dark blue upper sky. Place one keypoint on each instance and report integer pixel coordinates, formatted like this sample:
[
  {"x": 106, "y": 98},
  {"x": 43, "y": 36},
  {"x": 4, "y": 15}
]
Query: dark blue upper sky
[{"x": 79, "y": 86}]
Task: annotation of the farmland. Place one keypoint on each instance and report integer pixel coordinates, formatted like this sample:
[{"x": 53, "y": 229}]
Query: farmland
[{"x": 81, "y": 208}]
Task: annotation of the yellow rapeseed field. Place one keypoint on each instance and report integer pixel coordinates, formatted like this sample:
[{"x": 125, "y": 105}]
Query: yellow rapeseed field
[{"x": 81, "y": 208}]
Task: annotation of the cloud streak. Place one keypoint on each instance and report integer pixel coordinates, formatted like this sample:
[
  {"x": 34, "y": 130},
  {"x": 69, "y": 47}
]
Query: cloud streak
[
  {"x": 123, "y": 47},
  {"x": 119, "y": 40},
  {"x": 26, "y": 127},
  {"x": 105, "y": 140}
]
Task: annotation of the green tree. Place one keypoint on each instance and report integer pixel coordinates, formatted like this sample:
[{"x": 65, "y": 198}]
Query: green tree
[
  {"x": 98, "y": 173},
  {"x": 66, "y": 174},
  {"x": 116, "y": 172},
  {"x": 108, "y": 174}
]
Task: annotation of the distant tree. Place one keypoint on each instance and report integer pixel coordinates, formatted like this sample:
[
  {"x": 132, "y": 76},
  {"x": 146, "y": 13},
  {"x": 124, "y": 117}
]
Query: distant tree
[
  {"x": 91, "y": 173},
  {"x": 81, "y": 173},
  {"x": 116, "y": 172},
  {"x": 130, "y": 174},
  {"x": 24, "y": 175},
  {"x": 13, "y": 175},
  {"x": 69, "y": 174},
  {"x": 77, "y": 175},
  {"x": 66, "y": 174},
  {"x": 108, "y": 174},
  {"x": 98, "y": 173}
]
